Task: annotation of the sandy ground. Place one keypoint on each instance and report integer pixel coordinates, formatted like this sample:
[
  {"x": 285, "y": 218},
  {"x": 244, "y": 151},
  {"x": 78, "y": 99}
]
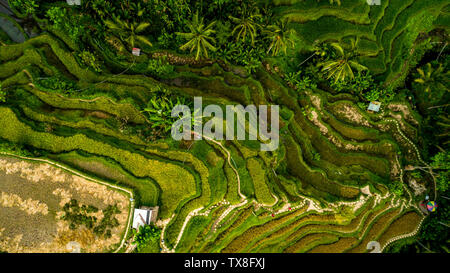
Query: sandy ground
[{"x": 31, "y": 200}]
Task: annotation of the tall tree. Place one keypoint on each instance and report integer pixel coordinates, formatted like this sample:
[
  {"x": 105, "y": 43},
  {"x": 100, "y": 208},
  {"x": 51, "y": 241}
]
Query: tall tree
[
  {"x": 128, "y": 32},
  {"x": 199, "y": 38},
  {"x": 432, "y": 79},
  {"x": 280, "y": 37},
  {"x": 341, "y": 67},
  {"x": 246, "y": 24}
]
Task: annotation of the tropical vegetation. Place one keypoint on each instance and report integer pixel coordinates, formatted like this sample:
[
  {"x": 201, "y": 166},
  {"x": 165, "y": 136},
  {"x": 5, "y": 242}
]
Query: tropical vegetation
[{"x": 73, "y": 91}]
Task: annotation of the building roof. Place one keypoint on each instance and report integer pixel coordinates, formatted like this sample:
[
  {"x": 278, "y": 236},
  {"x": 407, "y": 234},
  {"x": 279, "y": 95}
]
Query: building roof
[
  {"x": 374, "y": 106},
  {"x": 74, "y": 2},
  {"x": 136, "y": 51},
  {"x": 141, "y": 217}
]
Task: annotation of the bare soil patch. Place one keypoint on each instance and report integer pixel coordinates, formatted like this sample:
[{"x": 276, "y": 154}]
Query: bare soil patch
[{"x": 32, "y": 196}]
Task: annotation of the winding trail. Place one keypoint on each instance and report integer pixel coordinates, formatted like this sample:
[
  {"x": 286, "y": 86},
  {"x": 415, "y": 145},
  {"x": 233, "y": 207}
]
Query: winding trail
[
  {"x": 411, "y": 234},
  {"x": 419, "y": 157}
]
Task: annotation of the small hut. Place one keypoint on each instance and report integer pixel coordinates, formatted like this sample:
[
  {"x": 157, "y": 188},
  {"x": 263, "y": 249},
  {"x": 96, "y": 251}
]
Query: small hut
[
  {"x": 136, "y": 51},
  {"x": 144, "y": 216},
  {"x": 73, "y": 2},
  {"x": 374, "y": 106},
  {"x": 374, "y": 2}
]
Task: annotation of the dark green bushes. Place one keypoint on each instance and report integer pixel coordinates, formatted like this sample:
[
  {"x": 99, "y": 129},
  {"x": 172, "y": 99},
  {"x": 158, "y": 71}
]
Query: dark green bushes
[
  {"x": 79, "y": 215},
  {"x": 147, "y": 235}
]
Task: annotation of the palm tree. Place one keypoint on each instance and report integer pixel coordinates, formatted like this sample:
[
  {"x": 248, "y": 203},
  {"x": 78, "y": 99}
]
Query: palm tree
[
  {"x": 199, "y": 38},
  {"x": 280, "y": 37},
  {"x": 432, "y": 79},
  {"x": 341, "y": 68},
  {"x": 128, "y": 32},
  {"x": 246, "y": 24}
]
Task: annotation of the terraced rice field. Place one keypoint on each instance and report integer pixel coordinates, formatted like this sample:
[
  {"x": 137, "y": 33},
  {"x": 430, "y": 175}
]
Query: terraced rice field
[
  {"x": 386, "y": 32},
  {"x": 223, "y": 196}
]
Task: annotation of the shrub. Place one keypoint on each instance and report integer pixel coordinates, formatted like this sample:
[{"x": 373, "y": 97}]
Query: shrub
[
  {"x": 160, "y": 67},
  {"x": 89, "y": 60},
  {"x": 78, "y": 215},
  {"x": 28, "y": 7},
  {"x": 58, "y": 83},
  {"x": 146, "y": 234},
  {"x": 65, "y": 21}
]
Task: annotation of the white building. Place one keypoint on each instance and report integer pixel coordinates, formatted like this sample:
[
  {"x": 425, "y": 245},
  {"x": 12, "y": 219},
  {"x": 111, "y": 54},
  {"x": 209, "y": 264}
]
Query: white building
[
  {"x": 74, "y": 2},
  {"x": 144, "y": 216},
  {"x": 374, "y": 106},
  {"x": 141, "y": 217}
]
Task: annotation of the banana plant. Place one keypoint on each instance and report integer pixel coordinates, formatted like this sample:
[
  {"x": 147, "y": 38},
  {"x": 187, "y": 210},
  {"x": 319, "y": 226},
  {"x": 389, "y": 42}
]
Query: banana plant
[{"x": 159, "y": 111}]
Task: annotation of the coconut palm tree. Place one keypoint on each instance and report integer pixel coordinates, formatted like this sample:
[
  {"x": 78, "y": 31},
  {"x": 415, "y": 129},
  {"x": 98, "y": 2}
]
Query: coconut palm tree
[
  {"x": 341, "y": 68},
  {"x": 128, "y": 32},
  {"x": 246, "y": 24},
  {"x": 432, "y": 79},
  {"x": 199, "y": 38},
  {"x": 280, "y": 36}
]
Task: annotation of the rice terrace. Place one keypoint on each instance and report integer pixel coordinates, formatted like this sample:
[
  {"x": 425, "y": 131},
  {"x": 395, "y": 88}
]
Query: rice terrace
[{"x": 88, "y": 163}]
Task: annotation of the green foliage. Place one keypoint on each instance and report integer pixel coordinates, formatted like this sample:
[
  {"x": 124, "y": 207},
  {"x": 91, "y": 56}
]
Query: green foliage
[
  {"x": 89, "y": 60},
  {"x": 242, "y": 53},
  {"x": 147, "y": 234},
  {"x": 66, "y": 21},
  {"x": 160, "y": 67},
  {"x": 28, "y": 7},
  {"x": 14, "y": 148},
  {"x": 199, "y": 38},
  {"x": 78, "y": 216},
  {"x": 299, "y": 81},
  {"x": 2, "y": 94},
  {"x": 129, "y": 32},
  {"x": 433, "y": 80},
  {"x": 366, "y": 87},
  {"x": 384, "y": 94},
  {"x": 159, "y": 110},
  {"x": 246, "y": 23},
  {"x": 316, "y": 156},
  {"x": 57, "y": 83},
  {"x": 341, "y": 68},
  {"x": 280, "y": 37},
  {"x": 433, "y": 233},
  {"x": 396, "y": 188},
  {"x": 441, "y": 166},
  {"x": 416, "y": 174},
  {"x": 169, "y": 40},
  {"x": 108, "y": 222}
]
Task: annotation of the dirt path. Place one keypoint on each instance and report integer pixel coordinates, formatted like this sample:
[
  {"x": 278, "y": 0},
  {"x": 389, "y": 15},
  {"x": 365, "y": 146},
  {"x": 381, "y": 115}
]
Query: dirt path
[{"x": 419, "y": 157}]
